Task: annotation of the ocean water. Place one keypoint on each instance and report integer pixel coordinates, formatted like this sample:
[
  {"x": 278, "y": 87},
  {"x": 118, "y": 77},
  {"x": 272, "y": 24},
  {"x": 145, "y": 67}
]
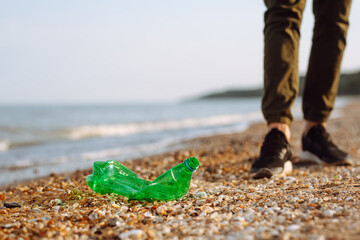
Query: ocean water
[{"x": 38, "y": 140}]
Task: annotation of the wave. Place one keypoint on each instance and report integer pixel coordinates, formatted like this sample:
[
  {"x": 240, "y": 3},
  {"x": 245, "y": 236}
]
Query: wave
[
  {"x": 125, "y": 129},
  {"x": 107, "y": 130},
  {"x": 6, "y": 145}
]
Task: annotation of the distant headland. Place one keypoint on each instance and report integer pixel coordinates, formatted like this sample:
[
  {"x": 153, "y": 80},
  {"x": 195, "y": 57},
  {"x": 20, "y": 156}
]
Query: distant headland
[{"x": 349, "y": 85}]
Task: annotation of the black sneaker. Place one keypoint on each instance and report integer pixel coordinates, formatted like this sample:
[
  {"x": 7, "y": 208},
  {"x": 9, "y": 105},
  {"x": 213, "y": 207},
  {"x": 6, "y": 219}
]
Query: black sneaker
[
  {"x": 275, "y": 157},
  {"x": 317, "y": 147}
]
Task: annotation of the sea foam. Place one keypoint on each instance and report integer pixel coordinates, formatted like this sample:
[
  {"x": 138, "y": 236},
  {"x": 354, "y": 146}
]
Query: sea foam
[{"x": 107, "y": 130}]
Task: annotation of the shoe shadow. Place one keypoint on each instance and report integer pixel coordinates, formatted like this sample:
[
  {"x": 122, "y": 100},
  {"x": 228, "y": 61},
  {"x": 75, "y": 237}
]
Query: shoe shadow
[{"x": 297, "y": 163}]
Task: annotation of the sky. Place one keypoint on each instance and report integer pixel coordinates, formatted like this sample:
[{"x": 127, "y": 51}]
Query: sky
[{"x": 114, "y": 51}]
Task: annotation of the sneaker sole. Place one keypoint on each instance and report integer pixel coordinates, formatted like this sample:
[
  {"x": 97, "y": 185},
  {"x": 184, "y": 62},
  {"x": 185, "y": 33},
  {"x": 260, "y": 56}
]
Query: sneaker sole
[
  {"x": 268, "y": 173},
  {"x": 307, "y": 156}
]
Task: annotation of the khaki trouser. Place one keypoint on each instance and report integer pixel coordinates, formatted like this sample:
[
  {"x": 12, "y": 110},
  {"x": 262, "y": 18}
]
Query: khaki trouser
[{"x": 281, "y": 77}]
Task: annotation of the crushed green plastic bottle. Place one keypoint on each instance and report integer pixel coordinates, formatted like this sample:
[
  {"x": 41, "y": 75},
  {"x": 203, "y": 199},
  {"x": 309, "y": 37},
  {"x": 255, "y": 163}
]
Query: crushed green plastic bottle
[{"x": 113, "y": 177}]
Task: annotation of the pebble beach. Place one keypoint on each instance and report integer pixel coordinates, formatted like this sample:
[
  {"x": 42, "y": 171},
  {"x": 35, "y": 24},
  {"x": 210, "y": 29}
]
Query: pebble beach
[{"x": 314, "y": 202}]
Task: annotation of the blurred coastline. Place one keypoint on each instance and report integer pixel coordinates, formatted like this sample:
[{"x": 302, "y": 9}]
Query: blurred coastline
[{"x": 38, "y": 140}]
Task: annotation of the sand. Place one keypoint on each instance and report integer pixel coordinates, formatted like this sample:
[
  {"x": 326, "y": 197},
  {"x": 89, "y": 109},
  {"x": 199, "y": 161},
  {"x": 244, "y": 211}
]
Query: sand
[{"x": 315, "y": 202}]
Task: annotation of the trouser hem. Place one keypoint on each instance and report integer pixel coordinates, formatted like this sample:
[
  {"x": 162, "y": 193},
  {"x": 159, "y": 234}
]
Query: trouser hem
[
  {"x": 278, "y": 119},
  {"x": 321, "y": 116}
]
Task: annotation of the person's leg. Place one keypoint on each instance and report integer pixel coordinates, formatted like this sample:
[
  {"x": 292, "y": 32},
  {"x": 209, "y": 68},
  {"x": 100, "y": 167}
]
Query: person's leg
[
  {"x": 281, "y": 80},
  {"x": 329, "y": 41},
  {"x": 321, "y": 83}
]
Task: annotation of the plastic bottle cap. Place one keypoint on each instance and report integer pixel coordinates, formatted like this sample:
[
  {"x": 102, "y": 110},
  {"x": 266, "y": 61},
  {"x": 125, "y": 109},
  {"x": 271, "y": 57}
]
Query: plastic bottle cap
[{"x": 193, "y": 163}]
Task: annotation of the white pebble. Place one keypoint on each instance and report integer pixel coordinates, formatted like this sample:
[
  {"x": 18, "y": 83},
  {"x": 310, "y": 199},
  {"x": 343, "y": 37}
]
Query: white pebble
[
  {"x": 115, "y": 221},
  {"x": 201, "y": 194},
  {"x": 148, "y": 214},
  {"x": 93, "y": 216},
  {"x": 329, "y": 213},
  {"x": 35, "y": 210},
  {"x": 317, "y": 237},
  {"x": 290, "y": 180},
  {"x": 124, "y": 209},
  {"x": 56, "y": 208},
  {"x": 293, "y": 228},
  {"x": 137, "y": 233},
  {"x": 56, "y": 202},
  {"x": 162, "y": 210}
]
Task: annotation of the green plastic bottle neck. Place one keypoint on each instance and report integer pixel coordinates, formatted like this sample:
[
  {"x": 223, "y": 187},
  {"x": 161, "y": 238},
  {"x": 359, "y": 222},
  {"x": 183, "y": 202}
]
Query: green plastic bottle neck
[{"x": 192, "y": 164}]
